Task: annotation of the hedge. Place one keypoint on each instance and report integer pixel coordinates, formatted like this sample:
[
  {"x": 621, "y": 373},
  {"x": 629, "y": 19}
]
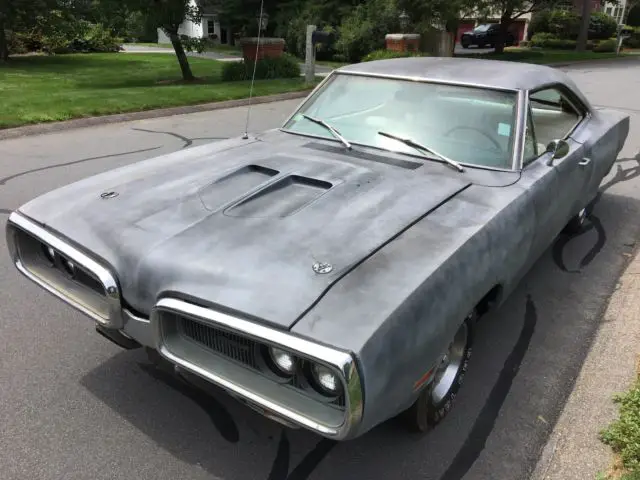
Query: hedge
[
  {"x": 549, "y": 41},
  {"x": 566, "y": 25},
  {"x": 385, "y": 54},
  {"x": 285, "y": 66},
  {"x": 633, "y": 41}
]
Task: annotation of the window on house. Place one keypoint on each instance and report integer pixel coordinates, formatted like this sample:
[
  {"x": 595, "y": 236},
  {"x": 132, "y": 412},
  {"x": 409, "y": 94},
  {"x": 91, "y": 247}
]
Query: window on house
[
  {"x": 210, "y": 27},
  {"x": 617, "y": 13}
]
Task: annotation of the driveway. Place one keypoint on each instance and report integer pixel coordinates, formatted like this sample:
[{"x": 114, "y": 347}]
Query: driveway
[
  {"x": 222, "y": 57},
  {"x": 74, "y": 406},
  {"x": 471, "y": 50}
]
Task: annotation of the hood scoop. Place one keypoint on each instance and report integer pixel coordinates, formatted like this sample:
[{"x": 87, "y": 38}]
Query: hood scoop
[
  {"x": 235, "y": 184},
  {"x": 281, "y": 198}
]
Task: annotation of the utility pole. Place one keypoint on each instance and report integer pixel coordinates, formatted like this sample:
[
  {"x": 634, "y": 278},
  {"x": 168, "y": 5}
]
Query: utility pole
[
  {"x": 581, "y": 44},
  {"x": 310, "y": 56}
]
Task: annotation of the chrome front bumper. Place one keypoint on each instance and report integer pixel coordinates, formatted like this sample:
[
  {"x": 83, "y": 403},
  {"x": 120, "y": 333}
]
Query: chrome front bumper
[{"x": 99, "y": 297}]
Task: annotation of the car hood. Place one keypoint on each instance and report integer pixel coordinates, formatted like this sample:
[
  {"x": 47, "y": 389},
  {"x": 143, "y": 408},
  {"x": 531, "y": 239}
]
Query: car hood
[{"x": 243, "y": 225}]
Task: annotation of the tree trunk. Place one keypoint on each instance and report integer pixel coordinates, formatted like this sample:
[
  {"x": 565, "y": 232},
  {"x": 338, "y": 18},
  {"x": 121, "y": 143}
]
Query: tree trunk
[
  {"x": 4, "y": 47},
  {"x": 505, "y": 23},
  {"x": 452, "y": 25},
  {"x": 583, "y": 36},
  {"x": 182, "y": 56}
]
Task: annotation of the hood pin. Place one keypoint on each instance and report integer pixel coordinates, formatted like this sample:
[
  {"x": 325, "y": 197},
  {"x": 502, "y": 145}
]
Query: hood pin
[
  {"x": 108, "y": 195},
  {"x": 321, "y": 267}
]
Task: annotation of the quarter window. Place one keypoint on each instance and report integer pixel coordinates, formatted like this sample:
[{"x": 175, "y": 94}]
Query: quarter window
[{"x": 553, "y": 116}]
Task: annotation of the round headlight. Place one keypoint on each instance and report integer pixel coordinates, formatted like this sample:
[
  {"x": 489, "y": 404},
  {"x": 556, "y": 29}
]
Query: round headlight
[
  {"x": 49, "y": 253},
  {"x": 328, "y": 381},
  {"x": 283, "y": 360},
  {"x": 69, "y": 266}
]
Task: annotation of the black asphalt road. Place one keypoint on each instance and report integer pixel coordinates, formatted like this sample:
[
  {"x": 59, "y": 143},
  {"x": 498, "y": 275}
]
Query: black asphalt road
[{"x": 74, "y": 406}]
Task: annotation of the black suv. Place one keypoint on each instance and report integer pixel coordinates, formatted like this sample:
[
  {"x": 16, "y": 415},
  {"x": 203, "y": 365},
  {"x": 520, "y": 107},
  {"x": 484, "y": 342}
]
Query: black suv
[{"x": 484, "y": 35}]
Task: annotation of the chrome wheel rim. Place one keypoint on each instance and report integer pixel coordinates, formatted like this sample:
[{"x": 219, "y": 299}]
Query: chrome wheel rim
[{"x": 450, "y": 365}]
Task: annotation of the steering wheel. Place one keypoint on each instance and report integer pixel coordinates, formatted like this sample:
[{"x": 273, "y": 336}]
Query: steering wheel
[{"x": 484, "y": 134}]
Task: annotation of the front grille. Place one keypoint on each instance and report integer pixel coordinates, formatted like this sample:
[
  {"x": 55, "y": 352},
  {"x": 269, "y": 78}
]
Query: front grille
[{"x": 237, "y": 348}]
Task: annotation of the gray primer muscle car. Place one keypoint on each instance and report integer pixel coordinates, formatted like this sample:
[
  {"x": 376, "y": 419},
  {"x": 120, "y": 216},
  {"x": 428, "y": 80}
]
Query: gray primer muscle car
[{"x": 329, "y": 273}]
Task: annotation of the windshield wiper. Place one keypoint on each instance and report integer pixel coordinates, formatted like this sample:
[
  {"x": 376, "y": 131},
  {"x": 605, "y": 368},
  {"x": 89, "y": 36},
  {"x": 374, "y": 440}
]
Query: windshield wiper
[
  {"x": 330, "y": 128},
  {"x": 420, "y": 147}
]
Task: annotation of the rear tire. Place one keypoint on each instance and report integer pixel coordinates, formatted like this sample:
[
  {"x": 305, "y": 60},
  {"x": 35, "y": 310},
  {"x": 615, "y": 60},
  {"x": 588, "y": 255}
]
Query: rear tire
[{"x": 436, "y": 400}]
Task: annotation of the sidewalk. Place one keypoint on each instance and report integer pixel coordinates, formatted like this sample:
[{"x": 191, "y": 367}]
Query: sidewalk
[{"x": 574, "y": 450}]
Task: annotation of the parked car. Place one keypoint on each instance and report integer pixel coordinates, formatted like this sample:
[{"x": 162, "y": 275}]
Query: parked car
[
  {"x": 486, "y": 35},
  {"x": 331, "y": 273}
]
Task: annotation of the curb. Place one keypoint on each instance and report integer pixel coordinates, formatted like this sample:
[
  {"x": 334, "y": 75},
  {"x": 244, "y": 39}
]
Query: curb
[
  {"x": 574, "y": 450},
  {"x": 595, "y": 61},
  {"x": 41, "y": 128}
]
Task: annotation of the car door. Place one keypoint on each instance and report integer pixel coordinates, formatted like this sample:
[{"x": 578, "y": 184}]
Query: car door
[
  {"x": 555, "y": 114},
  {"x": 542, "y": 187}
]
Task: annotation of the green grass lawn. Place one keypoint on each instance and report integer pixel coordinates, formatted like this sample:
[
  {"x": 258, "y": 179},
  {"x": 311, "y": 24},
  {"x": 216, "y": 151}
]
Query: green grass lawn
[{"x": 38, "y": 89}]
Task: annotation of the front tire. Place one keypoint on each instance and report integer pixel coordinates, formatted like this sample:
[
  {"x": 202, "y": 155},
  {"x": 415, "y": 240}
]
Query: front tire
[{"x": 436, "y": 400}]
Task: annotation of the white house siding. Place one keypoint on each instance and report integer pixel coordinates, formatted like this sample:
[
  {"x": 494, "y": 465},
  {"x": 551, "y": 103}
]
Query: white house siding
[
  {"x": 617, "y": 11},
  {"x": 191, "y": 29},
  {"x": 186, "y": 28}
]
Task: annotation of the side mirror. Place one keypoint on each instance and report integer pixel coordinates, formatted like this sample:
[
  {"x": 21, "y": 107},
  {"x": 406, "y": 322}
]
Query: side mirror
[{"x": 557, "y": 149}]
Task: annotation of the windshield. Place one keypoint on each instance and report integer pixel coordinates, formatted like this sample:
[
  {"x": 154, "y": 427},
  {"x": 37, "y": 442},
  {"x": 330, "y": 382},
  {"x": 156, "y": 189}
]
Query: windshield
[
  {"x": 482, "y": 28},
  {"x": 470, "y": 125}
]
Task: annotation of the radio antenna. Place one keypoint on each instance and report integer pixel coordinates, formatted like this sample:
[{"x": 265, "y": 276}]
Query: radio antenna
[{"x": 253, "y": 77}]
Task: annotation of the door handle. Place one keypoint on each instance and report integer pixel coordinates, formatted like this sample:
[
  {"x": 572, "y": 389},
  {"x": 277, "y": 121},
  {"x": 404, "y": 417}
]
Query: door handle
[{"x": 584, "y": 162}]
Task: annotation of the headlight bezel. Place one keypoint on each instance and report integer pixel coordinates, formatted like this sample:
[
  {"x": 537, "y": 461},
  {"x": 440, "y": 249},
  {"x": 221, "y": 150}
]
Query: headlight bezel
[
  {"x": 165, "y": 313},
  {"x": 110, "y": 314}
]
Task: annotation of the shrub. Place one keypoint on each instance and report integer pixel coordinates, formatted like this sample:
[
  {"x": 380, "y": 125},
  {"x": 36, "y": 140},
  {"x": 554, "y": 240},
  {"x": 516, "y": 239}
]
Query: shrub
[
  {"x": 285, "y": 66},
  {"x": 364, "y": 29},
  {"x": 65, "y": 35},
  {"x": 547, "y": 40},
  {"x": 623, "y": 435},
  {"x": 97, "y": 38},
  {"x": 193, "y": 44},
  {"x": 385, "y": 54},
  {"x": 606, "y": 46},
  {"x": 564, "y": 24},
  {"x": 539, "y": 23},
  {"x": 633, "y": 41},
  {"x": 602, "y": 26}
]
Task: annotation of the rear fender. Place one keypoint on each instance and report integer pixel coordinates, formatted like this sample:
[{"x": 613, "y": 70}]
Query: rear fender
[{"x": 603, "y": 136}]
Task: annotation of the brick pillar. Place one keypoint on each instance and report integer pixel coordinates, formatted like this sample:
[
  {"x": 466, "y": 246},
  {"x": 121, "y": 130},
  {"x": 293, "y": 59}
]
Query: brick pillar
[
  {"x": 403, "y": 42},
  {"x": 269, "y": 47}
]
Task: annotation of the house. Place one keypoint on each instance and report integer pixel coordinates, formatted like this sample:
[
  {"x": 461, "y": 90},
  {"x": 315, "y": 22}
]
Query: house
[
  {"x": 618, "y": 10},
  {"x": 208, "y": 27},
  {"x": 520, "y": 25}
]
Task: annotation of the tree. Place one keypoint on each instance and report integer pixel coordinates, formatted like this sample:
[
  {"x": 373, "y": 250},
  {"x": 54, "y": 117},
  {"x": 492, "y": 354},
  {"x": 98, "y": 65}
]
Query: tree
[
  {"x": 583, "y": 36},
  {"x": 168, "y": 15},
  {"x": 445, "y": 14},
  {"x": 17, "y": 15},
  {"x": 510, "y": 10}
]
